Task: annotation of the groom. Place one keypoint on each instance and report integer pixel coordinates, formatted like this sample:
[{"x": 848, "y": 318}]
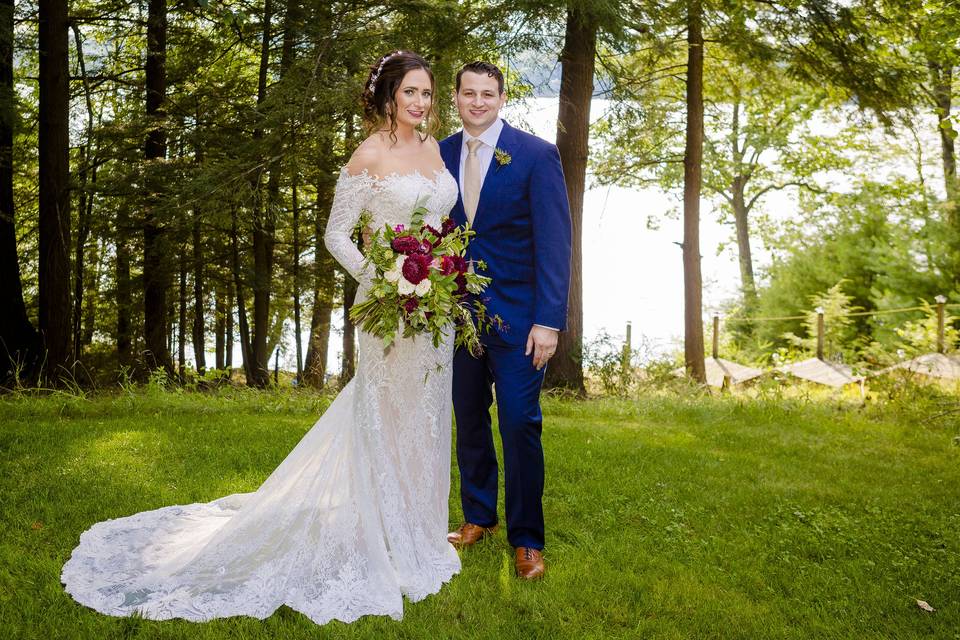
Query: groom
[{"x": 512, "y": 193}]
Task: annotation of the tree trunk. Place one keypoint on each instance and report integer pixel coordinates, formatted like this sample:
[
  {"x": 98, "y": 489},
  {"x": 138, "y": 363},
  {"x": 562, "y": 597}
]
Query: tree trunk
[
  {"x": 198, "y": 320},
  {"x": 942, "y": 77},
  {"x": 315, "y": 368},
  {"x": 349, "y": 344},
  {"x": 83, "y": 232},
  {"x": 324, "y": 285},
  {"x": 942, "y": 81},
  {"x": 182, "y": 318},
  {"x": 296, "y": 283},
  {"x": 692, "y": 179},
  {"x": 19, "y": 341},
  {"x": 245, "y": 349},
  {"x": 264, "y": 225},
  {"x": 348, "y": 364},
  {"x": 740, "y": 211},
  {"x": 86, "y": 178},
  {"x": 228, "y": 362},
  {"x": 742, "y": 223},
  {"x": 573, "y": 133},
  {"x": 292, "y": 24},
  {"x": 124, "y": 288},
  {"x": 54, "y": 210},
  {"x": 92, "y": 294},
  {"x": 157, "y": 269},
  {"x": 220, "y": 327}
]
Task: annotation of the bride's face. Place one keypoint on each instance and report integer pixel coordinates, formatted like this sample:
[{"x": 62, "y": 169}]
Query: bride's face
[{"x": 414, "y": 97}]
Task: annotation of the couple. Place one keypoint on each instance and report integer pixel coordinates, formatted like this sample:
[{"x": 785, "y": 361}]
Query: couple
[{"x": 356, "y": 516}]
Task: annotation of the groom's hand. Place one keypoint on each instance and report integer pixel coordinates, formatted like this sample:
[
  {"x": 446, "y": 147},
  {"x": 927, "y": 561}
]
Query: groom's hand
[{"x": 542, "y": 342}]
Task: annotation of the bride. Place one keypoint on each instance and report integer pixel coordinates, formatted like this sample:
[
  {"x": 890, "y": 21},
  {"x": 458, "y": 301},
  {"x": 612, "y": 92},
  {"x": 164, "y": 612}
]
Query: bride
[{"x": 355, "y": 517}]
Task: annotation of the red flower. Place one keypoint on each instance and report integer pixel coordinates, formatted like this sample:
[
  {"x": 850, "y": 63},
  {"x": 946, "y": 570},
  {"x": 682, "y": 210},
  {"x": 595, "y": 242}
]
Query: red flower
[
  {"x": 405, "y": 245},
  {"x": 460, "y": 264},
  {"x": 436, "y": 233},
  {"x": 426, "y": 248},
  {"x": 448, "y": 226},
  {"x": 416, "y": 267},
  {"x": 447, "y": 265},
  {"x": 410, "y": 304},
  {"x": 461, "y": 285}
]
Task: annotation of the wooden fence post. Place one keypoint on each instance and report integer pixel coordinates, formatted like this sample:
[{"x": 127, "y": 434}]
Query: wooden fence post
[
  {"x": 819, "y": 311},
  {"x": 716, "y": 336},
  {"x": 941, "y": 301},
  {"x": 627, "y": 352}
]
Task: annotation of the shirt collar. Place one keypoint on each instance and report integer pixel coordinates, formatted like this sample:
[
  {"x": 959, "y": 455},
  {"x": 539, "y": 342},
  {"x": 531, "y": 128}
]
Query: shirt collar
[{"x": 489, "y": 137}]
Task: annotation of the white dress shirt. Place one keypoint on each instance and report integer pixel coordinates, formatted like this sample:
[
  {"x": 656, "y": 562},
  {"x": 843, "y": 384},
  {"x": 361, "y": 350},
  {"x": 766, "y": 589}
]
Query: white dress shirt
[
  {"x": 489, "y": 138},
  {"x": 485, "y": 153}
]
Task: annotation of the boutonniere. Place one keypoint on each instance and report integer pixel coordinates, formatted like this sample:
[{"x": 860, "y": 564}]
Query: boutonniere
[{"x": 503, "y": 158}]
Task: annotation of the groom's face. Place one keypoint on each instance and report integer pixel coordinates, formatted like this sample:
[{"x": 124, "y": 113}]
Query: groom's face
[{"x": 479, "y": 101}]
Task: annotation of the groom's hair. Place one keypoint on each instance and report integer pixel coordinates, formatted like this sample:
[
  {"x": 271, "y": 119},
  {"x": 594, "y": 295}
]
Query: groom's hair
[{"x": 481, "y": 67}]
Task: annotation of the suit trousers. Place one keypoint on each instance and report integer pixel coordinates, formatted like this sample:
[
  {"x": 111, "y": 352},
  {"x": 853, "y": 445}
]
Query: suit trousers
[{"x": 517, "y": 383}]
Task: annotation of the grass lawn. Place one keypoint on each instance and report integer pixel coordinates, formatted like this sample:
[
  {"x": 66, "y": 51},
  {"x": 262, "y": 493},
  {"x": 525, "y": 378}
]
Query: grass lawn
[{"x": 667, "y": 517}]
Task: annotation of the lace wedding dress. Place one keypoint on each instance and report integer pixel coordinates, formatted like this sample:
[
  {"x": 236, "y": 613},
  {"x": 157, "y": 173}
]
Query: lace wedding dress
[{"x": 352, "y": 520}]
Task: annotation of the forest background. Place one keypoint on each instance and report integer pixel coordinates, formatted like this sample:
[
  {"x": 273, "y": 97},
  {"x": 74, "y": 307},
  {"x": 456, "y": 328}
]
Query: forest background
[{"x": 167, "y": 169}]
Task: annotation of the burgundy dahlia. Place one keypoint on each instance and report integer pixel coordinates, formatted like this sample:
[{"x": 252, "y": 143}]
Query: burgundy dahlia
[
  {"x": 448, "y": 226},
  {"x": 460, "y": 264},
  {"x": 416, "y": 267},
  {"x": 405, "y": 245},
  {"x": 461, "y": 285},
  {"x": 447, "y": 265},
  {"x": 410, "y": 304}
]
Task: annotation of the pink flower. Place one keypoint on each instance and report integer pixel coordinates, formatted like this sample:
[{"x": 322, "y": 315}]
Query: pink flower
[
  {"x": 405, "y": 245},
  {"x": 437, "y": 264},
  {"x": 398, "y": 228},
  {"x": 426, "y": 247},
  {"x": 416, "y": 267}
]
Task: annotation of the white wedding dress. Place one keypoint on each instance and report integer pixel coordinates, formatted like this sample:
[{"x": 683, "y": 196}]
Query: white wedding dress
[{"x": 351, "y": 521}]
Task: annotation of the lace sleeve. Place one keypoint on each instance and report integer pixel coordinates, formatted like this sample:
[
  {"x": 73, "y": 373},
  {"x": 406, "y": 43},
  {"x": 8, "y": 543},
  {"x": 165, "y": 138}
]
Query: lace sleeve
[{"x": 351, "y": 195}]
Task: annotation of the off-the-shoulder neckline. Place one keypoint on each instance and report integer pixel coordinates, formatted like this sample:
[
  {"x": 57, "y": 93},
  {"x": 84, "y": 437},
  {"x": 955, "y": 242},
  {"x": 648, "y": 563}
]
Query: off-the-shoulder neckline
[{"x": 394, "y": 175}]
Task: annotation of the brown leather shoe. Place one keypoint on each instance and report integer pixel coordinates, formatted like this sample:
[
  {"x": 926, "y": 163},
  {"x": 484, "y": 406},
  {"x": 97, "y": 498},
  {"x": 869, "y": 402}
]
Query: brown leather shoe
[
  {"x": 469, "y": 534},
  {"x": 529, "y": 562}
]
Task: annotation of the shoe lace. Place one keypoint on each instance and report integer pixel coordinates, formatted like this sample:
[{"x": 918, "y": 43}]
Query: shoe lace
[{"x": 527, "y": 553}]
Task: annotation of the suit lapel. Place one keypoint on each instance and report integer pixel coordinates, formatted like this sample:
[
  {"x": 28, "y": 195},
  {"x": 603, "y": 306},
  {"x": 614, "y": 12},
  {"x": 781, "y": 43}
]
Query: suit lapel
[
  {"x": 491, "y": 179},
  {"x": 450, "y": 153}
]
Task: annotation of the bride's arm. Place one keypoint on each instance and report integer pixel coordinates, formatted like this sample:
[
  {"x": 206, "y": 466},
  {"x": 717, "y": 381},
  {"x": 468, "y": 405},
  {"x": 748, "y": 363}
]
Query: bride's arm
[{"x": 353, "y": 191}]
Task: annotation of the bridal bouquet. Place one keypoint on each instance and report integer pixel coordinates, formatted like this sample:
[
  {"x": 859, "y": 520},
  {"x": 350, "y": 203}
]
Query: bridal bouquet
[{"x": 421, "y": 284}]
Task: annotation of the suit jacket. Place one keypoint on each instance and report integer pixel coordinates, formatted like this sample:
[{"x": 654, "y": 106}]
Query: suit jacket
[{"x": 523, "y": 232}]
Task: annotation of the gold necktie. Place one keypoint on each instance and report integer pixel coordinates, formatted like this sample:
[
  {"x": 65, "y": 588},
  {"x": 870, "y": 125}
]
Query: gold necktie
[{"x": 471, "y": 180}]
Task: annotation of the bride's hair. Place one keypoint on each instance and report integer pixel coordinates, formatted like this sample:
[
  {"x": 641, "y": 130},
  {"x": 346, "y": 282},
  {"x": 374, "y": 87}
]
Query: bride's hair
[{"x": 377, "y": 99}]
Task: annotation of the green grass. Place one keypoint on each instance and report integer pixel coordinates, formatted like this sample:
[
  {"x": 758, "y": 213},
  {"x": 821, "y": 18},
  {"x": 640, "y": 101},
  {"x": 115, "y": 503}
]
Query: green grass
[{"x": 691, "y": 517}]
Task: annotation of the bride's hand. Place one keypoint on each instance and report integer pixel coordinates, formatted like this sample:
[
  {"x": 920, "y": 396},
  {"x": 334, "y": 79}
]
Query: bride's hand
[{"x": 367, "y": 234}]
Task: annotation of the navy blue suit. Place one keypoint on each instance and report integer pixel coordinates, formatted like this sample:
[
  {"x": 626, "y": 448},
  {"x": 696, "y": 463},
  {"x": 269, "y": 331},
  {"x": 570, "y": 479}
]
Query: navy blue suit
[{"x": 523, "y": 234}]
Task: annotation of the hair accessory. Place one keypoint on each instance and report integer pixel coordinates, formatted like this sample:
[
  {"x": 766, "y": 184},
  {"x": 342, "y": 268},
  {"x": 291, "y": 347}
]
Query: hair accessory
[{"x": 376, "y": 74}]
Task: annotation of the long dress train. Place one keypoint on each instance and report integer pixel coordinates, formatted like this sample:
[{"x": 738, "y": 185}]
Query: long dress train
[{"x": 352, "y": 520}]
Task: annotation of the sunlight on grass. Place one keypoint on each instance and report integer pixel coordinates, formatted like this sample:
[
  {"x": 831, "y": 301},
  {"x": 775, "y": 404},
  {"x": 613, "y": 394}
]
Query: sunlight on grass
[{"x": 667, "y": 517}]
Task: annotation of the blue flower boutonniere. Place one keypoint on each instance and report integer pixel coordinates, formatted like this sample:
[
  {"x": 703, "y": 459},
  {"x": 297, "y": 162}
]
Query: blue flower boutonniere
[{"x": 502, "y": 157}]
